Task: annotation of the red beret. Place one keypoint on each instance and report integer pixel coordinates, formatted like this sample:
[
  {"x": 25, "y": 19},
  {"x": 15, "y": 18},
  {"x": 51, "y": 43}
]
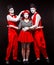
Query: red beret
[{"x": 26, "y": 11}]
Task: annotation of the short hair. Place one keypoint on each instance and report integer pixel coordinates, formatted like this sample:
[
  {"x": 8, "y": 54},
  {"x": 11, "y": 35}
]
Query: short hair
[
  {"x": 9, "y": 6},
  {"x": 32, "y": 5}
]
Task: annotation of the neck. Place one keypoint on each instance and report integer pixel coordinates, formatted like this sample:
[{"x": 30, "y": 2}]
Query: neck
[
  {"x": 35, "y": 12},
  {"x": 11, "y": 13},
  {"x": 26, "y": 18}
]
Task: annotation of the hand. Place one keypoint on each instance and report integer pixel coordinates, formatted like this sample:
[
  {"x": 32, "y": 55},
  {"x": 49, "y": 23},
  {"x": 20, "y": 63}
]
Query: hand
[
  {"x": 25, "y": 28},
  {"x": 9, "y": 25},
  {"x": 16, "y": 28},
  {"x": 12, "y": 26},
  {"x": 21, "y": 12},
  {"x": 39, "y": 27},
  {"x": 31, "y": 28}
]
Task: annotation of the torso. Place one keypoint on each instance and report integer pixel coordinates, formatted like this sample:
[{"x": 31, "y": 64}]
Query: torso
[
  {"x": 26, "y": 24},
  {"x": 11, "y": 22},
  {"x": 34, "y": 19}
]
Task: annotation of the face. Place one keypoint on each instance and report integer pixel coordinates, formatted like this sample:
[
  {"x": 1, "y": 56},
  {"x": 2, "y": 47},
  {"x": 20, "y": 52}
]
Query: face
[
  {"x": 33, "y": 10},
  {"x": 11, "y": 10},
  {"x": 26, "y": 15}
]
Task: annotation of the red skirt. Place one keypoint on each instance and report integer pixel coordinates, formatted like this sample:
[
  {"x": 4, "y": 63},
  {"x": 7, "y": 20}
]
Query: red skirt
[{"x": 25, "y": 37}]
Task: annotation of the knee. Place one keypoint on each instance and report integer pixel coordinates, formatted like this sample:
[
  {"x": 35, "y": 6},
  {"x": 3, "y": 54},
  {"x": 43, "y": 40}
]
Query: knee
[{"x": 28, "y": 50}]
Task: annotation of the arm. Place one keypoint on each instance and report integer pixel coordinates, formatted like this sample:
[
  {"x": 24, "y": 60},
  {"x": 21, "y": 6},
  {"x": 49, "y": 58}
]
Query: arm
[
  {"x": 20, "y": 25},
  {"x": 39, "y": 27},
  {"x": 16, "y": 27},
  {"x": 12, "y": 26},
  {"x": 38, "y": 18},
  {"x": 9, "y": 18},
  {"x": 20, "y": 15}
]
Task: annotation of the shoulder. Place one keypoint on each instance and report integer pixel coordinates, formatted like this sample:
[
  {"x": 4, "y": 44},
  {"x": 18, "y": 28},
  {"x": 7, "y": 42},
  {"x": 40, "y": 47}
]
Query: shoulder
[
  {"x": 38, "y": 15},
  {"x": 8, "y": 16}
]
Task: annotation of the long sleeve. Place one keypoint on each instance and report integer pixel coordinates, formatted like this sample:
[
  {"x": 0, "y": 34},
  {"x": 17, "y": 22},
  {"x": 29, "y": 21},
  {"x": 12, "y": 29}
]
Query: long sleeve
[{"x": 20, "y": 25}]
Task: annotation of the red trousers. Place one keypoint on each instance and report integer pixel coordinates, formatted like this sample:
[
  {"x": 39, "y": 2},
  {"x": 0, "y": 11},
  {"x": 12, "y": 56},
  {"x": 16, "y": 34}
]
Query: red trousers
[
  {"x": 39, "y": 44},
  {"x": 12, "y": 44}
]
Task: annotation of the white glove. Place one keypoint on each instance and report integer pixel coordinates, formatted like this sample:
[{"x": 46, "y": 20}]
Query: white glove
[
  {"x": 31, "y": 28},
  {"x": 25, "y": 28},
  {"x": 39, "y": 27},
  {"x": 9, "y": 25},
  {"x": 20, "y": 13}
]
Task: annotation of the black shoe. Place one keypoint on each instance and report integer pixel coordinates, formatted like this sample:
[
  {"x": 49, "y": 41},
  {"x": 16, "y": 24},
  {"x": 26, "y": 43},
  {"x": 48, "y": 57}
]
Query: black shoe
[
  {"x": 47, "y": 60},
  {"x": 36, "y": 60},
  {"x": 7, "y": 62},
  {"x": 27, "y": 62},
  {"x": 24, "y": 62},
  {"x": 18, "y": 61}
]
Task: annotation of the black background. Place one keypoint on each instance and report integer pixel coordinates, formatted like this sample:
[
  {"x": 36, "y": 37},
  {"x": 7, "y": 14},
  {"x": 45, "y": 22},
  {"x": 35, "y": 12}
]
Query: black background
[{"x": 46, "y": 10}]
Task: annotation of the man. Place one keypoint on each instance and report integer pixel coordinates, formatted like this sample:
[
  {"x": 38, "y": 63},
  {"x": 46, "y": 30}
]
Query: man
[
  {"x": 39, "y": 41},
  {"x": 12, "y": 34}
]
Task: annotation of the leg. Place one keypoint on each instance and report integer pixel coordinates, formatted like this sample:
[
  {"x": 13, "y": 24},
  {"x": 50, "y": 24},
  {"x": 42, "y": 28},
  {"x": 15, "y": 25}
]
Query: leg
[
  {"x": 15, "y": 48},
  {"x": 43, "y": 47},
  {"x": 44, "y": 52},
  {"x": 23, "y": 51},
  {"x": 9, "y": 48},
  {"x": 37, "y": 51},
  {"x": 27, "y": 51},
  {"x": 37, "y": 45}
]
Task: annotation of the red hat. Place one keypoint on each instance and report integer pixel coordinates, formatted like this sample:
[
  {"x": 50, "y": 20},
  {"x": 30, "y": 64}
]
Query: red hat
[{"x": 26, "y": 11}]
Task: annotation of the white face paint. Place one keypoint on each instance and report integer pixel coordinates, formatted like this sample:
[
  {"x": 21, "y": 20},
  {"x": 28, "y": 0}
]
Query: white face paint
[
  {"x": 26, "y": 15},
  {"x": 33, "y": 10},
  {"x": 11, "y": 10}
]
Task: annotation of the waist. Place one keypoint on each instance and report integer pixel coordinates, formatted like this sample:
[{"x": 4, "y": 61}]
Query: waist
[
  {"x": 37, "y": 30},
  {"x": 11, "y": 25}
]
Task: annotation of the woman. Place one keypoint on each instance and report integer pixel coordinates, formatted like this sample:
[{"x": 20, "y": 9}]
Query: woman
[{"x": 25, "y": 36}]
